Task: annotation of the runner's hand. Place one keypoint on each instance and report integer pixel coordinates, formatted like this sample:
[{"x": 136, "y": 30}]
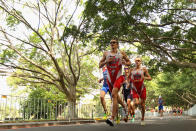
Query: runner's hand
[
  {"x": 137, "y": 80},
  {"x": 100, "y": 80},
  {"x": 109, "y": 60},
  {"x": 123, "y": 62}
]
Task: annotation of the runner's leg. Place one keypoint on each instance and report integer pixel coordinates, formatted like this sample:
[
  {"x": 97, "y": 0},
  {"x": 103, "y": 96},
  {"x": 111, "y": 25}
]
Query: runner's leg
[
  {"x": 143, "y": 100},
  {"x": 115, "y": 102},
  {"x": 143, "y": 108},
  {"x": 129, "y": 106},
  {"x": 110, "y": 121},
  {"x": 102, "y": 98},
  {"x": 124, "y": 107}
]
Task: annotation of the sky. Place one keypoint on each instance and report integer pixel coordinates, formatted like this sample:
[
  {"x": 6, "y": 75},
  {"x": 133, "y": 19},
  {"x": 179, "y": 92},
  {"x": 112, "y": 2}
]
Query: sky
[{"x": 4, "y": 89}]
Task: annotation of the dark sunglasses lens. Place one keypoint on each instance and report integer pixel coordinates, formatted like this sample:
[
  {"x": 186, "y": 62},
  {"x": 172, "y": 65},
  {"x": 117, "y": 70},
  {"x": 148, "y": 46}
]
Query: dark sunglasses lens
[{"x": 112, "y": 42}]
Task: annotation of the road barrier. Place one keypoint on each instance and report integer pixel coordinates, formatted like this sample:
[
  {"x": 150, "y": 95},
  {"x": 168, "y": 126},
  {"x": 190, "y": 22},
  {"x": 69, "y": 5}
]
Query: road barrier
[{"x": 15, "y": 108}]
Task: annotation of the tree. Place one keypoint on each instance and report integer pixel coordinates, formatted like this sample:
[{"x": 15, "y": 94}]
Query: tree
[
  {"x": 178, "y": 88},
  {"x": 164, "y": 29},
  {"x": 47, "y": 49}
]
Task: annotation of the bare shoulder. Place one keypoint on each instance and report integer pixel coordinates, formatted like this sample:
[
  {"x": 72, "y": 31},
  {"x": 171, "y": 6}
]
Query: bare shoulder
[
  {"x": 122, "y": 52},
  {"x": 144, "y": 68},
  {"x": 105, "y": 53},
  {"x": 130, "y": 69}
]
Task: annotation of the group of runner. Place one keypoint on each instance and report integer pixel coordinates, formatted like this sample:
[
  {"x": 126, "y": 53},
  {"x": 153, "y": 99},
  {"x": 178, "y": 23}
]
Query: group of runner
[{"x": 134, "y": 90}]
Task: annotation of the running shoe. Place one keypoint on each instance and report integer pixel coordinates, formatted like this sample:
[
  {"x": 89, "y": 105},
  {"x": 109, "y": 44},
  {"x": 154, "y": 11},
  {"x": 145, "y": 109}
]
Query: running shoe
[
  {"x": 117, "y": 120},
  {"x": 125, "y": 115},
  {"x": 133, "y": 118},
  {"x": 126, "y": 118},
  {"x": 105, "y": 116},
  {"x": 143, "y": 123},
  {"x": 109, "y": 122}
]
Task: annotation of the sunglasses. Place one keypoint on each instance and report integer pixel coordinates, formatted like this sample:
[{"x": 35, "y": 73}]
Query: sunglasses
[
  {"x": 126, "y": 68},
  {"x": 138, "y": 60},
  {"x": 113, "y": 42}
]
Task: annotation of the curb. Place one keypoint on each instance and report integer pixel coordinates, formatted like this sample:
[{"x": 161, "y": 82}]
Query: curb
[{"x": 42, "y": 124}]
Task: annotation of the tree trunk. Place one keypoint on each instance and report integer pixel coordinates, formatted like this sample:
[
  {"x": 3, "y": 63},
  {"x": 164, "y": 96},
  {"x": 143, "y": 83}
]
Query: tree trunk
[{"x": 72, "y": 108}]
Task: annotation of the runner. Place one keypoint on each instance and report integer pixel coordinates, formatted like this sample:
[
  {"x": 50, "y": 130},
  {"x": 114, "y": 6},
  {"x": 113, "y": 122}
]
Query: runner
[
  {"x": 138, "y": 75},
  {"x": 128, "y": 96},
  {"x": 160, "y": 102},
  {"x": 104, "y": 91},
  {"x": 113, "y": 60},
  {"x": 123, "y": 80},
  {"x": 174, "y": 111}
]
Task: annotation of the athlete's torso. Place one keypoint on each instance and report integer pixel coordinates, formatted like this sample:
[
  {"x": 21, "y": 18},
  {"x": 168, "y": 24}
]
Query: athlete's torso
[
  {"x": 160, "y": 102},
  {"x": 127, "y": 82},
  {"x": 137, "y": 79},
  {"x": 114, "y": 67},
  {"x": 137, "y": 74}
]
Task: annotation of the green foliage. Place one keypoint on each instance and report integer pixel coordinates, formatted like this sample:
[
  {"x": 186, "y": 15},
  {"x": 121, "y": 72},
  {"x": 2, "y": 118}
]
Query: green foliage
[
  {"x": 43, "y": 103},
  {"x": 174, "y": 87},
  {"x": 48, "y": 93},
  {"x": 70, "y": 31},
  {"x": 6, "y": 55},
  {"x": 52, "y": 55},
  {"x": 160, "y": 26},
  {"x": 45, "y": 1},
  {"x": 12, "y": 21},
  {"x": 51, "y": 51},
  {"x": 35, "y": 38},
  {"x": 88, "y": 81}
]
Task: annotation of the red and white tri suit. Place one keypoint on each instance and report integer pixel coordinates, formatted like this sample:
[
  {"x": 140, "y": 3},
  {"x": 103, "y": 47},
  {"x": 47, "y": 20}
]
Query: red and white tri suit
[
  {"x": 138, "y": 88},
  {"x": 114, "y": 68}
]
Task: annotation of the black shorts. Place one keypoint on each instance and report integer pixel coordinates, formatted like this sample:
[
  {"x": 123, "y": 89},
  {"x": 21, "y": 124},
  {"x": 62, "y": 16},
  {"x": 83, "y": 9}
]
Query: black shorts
[
  {"x": 127, "y": 94},
  {"x": 174, "y": 111}
]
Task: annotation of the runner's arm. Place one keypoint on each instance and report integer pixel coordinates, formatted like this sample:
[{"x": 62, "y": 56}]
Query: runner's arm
[
  {"x": 130, "y": 70},
  {"x": 103, "y": 60},
  {"x": 146, "y": 75},
  {"x": 100, "y": 80},
  {"x": 126, "y": 60}
]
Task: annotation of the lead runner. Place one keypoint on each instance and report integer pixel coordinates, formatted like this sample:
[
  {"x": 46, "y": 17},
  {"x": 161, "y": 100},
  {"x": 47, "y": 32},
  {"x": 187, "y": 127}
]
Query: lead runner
[{"x": 114, "y": 59}]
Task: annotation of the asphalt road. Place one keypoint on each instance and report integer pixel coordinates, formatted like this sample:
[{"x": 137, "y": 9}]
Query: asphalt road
[{"x": 152, "y": 124}]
